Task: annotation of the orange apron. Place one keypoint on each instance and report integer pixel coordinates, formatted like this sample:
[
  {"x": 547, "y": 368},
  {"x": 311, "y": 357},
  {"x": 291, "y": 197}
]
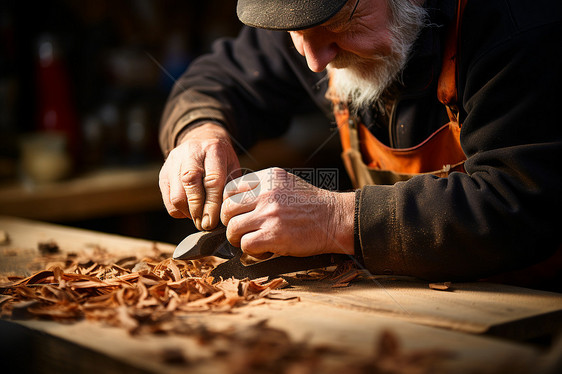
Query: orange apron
[{"x": 368, "y": 161}]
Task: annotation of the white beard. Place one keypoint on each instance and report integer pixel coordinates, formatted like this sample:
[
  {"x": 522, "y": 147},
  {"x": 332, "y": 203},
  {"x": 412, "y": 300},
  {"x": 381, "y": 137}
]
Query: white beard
[{"x": 361, "y": 81}]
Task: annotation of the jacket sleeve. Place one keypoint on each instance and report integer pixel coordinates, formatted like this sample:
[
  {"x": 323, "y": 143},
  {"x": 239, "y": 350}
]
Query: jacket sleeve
[
  {"x": 504, "y": 214},
  {"x": 248, "y": 84}
]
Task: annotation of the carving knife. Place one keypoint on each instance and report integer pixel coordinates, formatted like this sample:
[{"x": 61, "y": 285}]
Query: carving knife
[{"x": 214, "y": 243}]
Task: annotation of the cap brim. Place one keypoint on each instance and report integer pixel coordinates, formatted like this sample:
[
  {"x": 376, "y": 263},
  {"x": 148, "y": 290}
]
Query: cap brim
[{"x": 287, "y": 14}]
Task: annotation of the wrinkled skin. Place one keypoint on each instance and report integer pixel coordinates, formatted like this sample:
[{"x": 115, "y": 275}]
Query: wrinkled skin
[
  {"x": 195, "y": 173},
  {"x": 267, "y": 211},
  {"x": 275, "y": 211},
  {"x": 365, "y": 35}
]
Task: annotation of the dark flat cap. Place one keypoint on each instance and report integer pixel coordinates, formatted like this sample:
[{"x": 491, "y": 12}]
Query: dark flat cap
[{"x": 287, "y": 14}]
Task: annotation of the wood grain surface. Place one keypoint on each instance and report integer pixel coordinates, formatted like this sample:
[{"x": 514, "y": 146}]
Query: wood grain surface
[{"x": 465, "y": 320}]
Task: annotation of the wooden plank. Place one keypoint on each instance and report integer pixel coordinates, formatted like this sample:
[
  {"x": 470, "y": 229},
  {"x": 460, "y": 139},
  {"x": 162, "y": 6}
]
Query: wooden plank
[
  {"x": 501, "y": 310},
  {"x": 481, "y": 308},
  {"x": 106, "y": 192},
  {"x": 476, "y": 307},
  {"x": 350, "y": 319},
  {"x": 91, "y": 347}
]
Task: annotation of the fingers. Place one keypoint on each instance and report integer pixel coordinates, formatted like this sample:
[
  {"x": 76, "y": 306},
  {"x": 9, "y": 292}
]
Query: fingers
[
  {"x": 191, "y": 180},
  {"x": 177, "y": 208},
  {"x": 240, "y": 196},
  {"x": 240, "y": 226},
  {"x": 235, "y": 205},
  {"x": 182, "y": 188},
  {"x": 241, "y": 184},
  {"x": 248, "y": 228},
  {"x": 247, "y": 234},
  {"x": 213, "y": 182},
  {"x": 194, "y": 174},
  {"x": 253, "y": 243}
]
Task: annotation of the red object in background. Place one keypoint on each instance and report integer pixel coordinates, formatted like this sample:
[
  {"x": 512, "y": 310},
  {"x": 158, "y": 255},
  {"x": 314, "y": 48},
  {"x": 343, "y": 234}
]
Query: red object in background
[{"x": 56, "y": 111}]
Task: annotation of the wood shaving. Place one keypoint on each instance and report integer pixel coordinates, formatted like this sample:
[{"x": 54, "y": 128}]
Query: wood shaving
[
  {"x": 344, "y": 274},
  {"x": 445, "y": 286},
  {"x": 49, "y": 247},
  {"x": 126, "y": 292},
  {"x": 340, "y": 276}
]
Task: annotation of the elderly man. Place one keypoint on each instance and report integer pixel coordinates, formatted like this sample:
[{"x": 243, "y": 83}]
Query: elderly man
[{"x": 452, "y": 104}]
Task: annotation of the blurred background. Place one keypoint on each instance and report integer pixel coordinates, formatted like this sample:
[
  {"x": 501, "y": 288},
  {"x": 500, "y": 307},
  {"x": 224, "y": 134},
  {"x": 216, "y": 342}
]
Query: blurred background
[{"x": 82, "y": 88}]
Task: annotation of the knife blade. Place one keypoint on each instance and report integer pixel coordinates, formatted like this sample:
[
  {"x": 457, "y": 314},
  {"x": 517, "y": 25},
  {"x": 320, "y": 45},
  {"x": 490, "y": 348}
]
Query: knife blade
[
  {"x": 214, "y": 243},
  {"x": 276, "y": 265},
  {"x": 203, "y": 244}
]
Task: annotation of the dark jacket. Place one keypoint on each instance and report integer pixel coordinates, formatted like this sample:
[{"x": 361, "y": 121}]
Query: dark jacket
[{"x": 503, "y": 214}]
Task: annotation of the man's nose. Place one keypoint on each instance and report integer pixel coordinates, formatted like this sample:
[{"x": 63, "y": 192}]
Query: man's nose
[{"x": 318, "y": 49}]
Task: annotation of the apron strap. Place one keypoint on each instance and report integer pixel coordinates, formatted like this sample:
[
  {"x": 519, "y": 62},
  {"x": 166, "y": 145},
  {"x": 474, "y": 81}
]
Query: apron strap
[{"x": 448, "y": 79}]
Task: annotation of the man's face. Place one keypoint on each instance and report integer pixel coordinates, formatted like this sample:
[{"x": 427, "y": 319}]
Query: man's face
[{"x": 364, "y": 49}]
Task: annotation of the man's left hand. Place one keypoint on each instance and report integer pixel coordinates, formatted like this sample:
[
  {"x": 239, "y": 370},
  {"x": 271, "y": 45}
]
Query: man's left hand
[{"x": 275, "y": 211}]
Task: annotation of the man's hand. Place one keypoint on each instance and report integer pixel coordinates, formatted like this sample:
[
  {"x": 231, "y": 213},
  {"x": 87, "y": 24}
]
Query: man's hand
[
  {"x": 195, "y": 173},
  {"x": 275, "y": 211}
]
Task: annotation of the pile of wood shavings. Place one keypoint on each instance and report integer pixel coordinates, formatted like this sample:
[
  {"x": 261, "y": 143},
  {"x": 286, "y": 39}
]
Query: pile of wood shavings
[
  {"x": 125, "y": 293},
  {"x": 146, "y": 295}
]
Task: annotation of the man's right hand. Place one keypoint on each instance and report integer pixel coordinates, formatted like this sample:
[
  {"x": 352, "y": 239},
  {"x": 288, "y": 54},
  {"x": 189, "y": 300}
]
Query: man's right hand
[{"x": 195, "y": 173}]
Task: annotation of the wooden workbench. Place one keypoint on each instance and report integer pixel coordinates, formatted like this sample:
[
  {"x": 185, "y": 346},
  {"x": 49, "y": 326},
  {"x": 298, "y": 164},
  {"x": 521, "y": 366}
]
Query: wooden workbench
[{"x": 482, "y": 326}]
